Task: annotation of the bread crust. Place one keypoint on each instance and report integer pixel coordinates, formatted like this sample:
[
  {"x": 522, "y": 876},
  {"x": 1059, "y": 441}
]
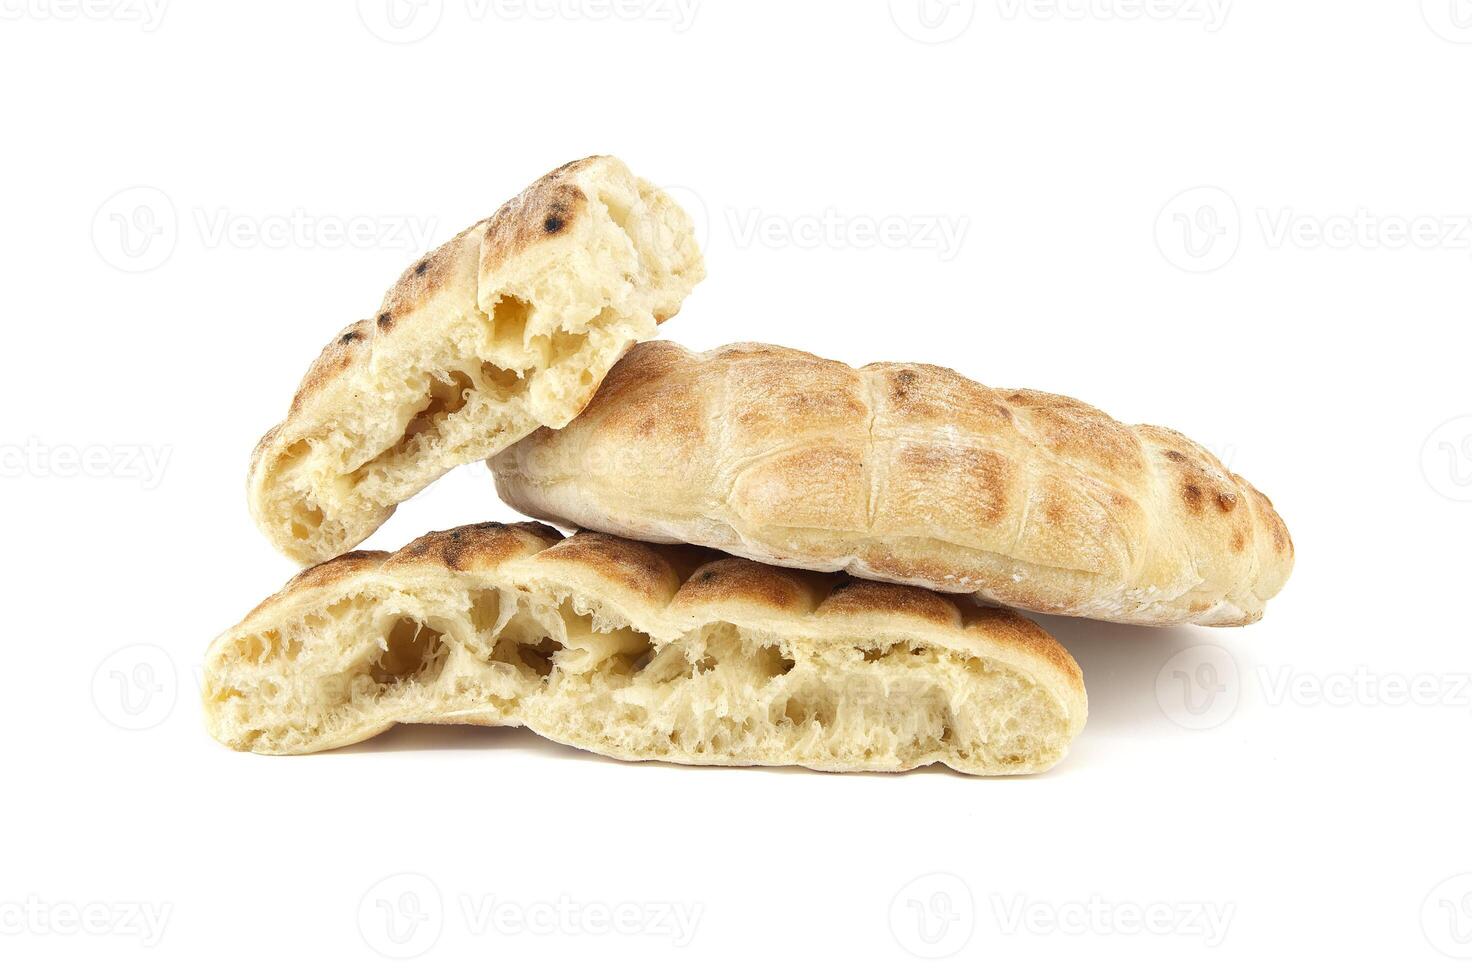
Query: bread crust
[
  {"x": 510, "y": 325},
  {"x": 908, "y": 473},
  {"x": 667, "y": 595}
]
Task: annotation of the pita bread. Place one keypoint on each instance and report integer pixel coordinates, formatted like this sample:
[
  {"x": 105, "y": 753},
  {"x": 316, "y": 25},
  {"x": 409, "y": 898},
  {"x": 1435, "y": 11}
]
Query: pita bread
[
  {"x": 908, "y": 473},
  {"x": 510, "y": 326},
  {"x": 641, "y": 652}
]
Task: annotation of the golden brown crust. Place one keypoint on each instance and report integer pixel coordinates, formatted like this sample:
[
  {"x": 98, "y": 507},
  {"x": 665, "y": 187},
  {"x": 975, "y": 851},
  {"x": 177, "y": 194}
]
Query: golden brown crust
[
  {"x": 853, "y": 597},
  {"x": 739, "y": 580},
  {"x": 634, "y": 567},
  {"x": 1004, "y": 625},
  {"x": 322, "y": 576},
  {"x": 342, "y": 351},
  {"x": 544, "y": 210},
  {"x": 432, "y": 276},
  {"x": 477, "y": 546},
  {"x": 909, "y": 473}
]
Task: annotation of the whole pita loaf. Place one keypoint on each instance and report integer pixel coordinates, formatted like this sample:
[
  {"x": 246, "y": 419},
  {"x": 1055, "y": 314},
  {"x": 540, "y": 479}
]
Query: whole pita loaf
[{"x": 908, "y": 473}]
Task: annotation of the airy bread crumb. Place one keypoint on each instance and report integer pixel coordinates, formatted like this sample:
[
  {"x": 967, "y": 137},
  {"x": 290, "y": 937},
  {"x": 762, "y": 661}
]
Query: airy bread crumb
[{"x": 641, "y": 652}]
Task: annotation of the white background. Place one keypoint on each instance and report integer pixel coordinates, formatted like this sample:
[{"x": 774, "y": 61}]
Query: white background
[{"x": 1248, "y": 221}]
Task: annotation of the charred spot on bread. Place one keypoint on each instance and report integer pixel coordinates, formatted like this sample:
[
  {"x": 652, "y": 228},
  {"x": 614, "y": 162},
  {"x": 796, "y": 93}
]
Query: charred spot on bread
[
  {"x": 1195, "y": 497},
  {"x": 902, "y": 384}
]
